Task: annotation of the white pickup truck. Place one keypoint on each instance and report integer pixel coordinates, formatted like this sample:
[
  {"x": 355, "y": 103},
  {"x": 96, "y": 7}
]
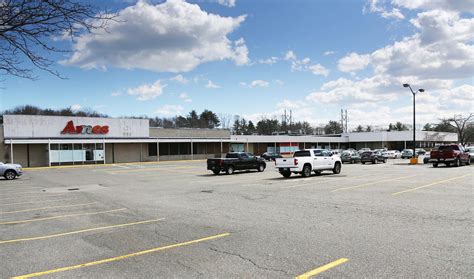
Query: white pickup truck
[{"x": 308, "y": 160}]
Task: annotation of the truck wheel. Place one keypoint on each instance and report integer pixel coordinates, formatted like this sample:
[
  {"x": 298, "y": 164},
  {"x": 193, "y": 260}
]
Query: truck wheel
[
  {"x": 286, "y": 173},
  {"x": 230, "y": 170},
  {"x": 468, "y": 162},
  {"x": 337, "y": 168},
  {"x": 435, "y": 165},
  {"x": 9, "y": 175},
  {"x": 261, "y": 168},
  {"x": 352, "y": 161},
  {"x": 216, "y": 172},
  {"x": 456, "y": 162},
  {"x": 376, "y": 161},
  {"x": 306, "y": 171},
  {"x": 384, "y": 161}
]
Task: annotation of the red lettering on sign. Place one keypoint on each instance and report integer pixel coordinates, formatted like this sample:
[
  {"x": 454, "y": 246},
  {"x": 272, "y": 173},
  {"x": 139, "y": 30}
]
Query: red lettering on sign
[
  {"x": 84, "y": 129},
  {"x": 69, "y": 129},
  {"x": 104, "y": 130}
]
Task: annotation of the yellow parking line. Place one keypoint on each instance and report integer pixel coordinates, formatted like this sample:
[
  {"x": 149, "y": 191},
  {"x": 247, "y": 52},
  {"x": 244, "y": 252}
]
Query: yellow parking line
[
  {"x": 61, "y": 216},
  {"x": 47, "y": 207},
  {"x": 11, "y": 193},
  {"x": 37, "y": 202},
  {"x": 79, "y": 231},
  {"x": 40, "y": 195},
  {"x": 321, "y": 269},
  {"x": 108, "y": 260},
  {"x": 372, "y": 183},
  {"x": 431, "y": 184},
  {"x": 321, "y": 181},
  {"x": 113, "y": 164}
]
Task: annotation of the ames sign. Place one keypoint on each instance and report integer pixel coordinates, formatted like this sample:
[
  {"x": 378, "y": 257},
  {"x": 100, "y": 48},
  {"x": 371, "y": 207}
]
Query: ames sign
[{"x": 84, "y": 129}]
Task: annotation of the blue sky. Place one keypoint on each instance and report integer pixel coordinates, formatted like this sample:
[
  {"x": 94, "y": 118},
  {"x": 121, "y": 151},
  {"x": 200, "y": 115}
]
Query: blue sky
[{"x": 255, "y": 58}]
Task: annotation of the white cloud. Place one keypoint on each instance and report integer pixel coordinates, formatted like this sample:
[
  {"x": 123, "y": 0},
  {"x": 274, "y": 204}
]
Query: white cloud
[
  {"x": 279, "y": 82},
  {"x": 303, "y": 65},
  {"x": 329, "y": 52},
  {"x": 185, "y": 98},
  {"x": 290, "y": 55},
  {"x": 376, "y": 6},
  {"x": 353, "y": 62},
  {"x": 116, "y": 93},
  {"x": 174, "y": 36},
  {"x": 179, "y": 79},
  {"x": 228, "y": 3},
  {"x": 76, "y": 107},
  {"x": 147, "y": 91},
  {"x": 210, "y": 84},
  {"x": 169, "y": 110},
  {"x": 269, "y": 61},
  {"x": 255, "y": 83},
  {"x": 450, "y": 5},
  {"x": 318, "y": 69}
]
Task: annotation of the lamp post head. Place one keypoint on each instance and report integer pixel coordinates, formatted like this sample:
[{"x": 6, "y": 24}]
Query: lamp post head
[
  {"x": 406, "y": 85},
  {"x": 421, "y": 90}
]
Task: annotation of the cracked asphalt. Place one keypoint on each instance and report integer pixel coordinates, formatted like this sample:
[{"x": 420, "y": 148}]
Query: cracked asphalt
[{"x": 177, "y": 220}]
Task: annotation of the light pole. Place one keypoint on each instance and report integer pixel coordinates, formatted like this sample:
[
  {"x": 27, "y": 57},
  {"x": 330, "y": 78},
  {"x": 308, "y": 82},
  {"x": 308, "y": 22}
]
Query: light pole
[{"x": 414, "y": 129}]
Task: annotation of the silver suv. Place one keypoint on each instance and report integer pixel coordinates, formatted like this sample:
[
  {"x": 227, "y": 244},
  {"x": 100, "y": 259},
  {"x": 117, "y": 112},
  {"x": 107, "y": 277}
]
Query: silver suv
[{"x": 10, "y": 171}]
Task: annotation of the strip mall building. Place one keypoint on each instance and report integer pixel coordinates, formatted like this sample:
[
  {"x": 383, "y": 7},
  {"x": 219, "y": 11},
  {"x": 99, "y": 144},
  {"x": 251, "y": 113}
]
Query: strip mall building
[{"x": 32, "y": 141}]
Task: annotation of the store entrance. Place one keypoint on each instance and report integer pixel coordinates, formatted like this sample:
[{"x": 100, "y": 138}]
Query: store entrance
[{"x": 76, "y": 154}]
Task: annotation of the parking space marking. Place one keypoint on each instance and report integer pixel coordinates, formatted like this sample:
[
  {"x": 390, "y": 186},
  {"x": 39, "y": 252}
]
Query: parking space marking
[
  {"x": 60, "y": 216},
  {"x": 148, "y": 169},
  {"x": 372, "y": 183},
  {"x": 113, "y": 164},
  {"x": 41, "y": 195},
  {"x": 108, "y": 260},
  {"x": 320, "y": 181},
  {"x": 47, "y": 207},
  {"x": 11, "y": 193},
  {"x": 37, "y": 201},
  {"x": 429, "y": 185},
  {"x": 80, "y": 231},
  {"x": 321, "y": 269}
]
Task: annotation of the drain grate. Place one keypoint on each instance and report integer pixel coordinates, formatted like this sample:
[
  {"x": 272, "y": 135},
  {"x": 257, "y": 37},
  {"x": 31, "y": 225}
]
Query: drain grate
[
  {"x": 73, "y": 189},
  {"x": 207, "y": 191}
]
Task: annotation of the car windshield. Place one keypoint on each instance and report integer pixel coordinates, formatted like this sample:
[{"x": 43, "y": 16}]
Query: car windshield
[
  {"x": 302, "y": 153},
  {"x": 448, "y": 148}
]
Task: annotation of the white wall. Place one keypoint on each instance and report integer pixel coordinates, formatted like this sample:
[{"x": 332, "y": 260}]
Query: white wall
[{"x": 35, "y": 126}]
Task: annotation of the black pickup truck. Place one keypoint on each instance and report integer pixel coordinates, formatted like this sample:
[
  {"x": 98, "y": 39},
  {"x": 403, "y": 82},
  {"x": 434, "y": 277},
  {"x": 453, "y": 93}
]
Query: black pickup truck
[{"x": 236, "y": 161}]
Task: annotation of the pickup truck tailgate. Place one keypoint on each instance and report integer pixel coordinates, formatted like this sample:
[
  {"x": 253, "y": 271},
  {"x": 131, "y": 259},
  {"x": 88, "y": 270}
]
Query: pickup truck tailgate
[{"x": 285, "y": 162}]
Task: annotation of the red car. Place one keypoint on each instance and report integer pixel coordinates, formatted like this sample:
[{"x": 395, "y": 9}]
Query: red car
[{"x": 450, "y": 154}]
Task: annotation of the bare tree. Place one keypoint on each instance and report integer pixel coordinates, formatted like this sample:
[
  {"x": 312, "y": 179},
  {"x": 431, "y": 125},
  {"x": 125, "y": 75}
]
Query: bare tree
[
  {"x": 462, "y": 124},
  {"x": 28, "y": 29}
]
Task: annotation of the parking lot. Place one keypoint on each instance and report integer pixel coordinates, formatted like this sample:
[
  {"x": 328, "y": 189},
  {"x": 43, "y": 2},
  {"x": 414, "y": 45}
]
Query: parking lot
[{"x": 176, "y": 219}]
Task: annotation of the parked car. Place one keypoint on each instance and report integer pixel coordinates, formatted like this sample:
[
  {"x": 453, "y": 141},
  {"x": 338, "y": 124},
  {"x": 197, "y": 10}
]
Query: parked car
[
  {"x": 407, "y": 153},
  {"x": 420, "y": 151},
  {"x": 470, "y": 150},
  {"x": 393, "y": 154},
  {"x": 350, "y": 157},
  {"x": 269, "y": 156},
  {"x": 426, "y": 158},
  {"x": 236, "y": 161},
  {"x": 10, "y": 171},
  {"x": 373, "y": 157},
  {"x": 363, "y": 150},
  {"x": 450, "y": 153},
  {"x": 308, "y": 160}
]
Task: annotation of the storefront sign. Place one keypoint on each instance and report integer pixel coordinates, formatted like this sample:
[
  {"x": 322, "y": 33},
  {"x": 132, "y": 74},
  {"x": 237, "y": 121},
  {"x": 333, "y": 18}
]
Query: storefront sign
[{"x": 84, "y": 129}]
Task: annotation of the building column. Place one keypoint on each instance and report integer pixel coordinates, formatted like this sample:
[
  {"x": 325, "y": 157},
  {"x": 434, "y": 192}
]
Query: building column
[
  {"x": 222, "y": 148},
  {"x": 49, "y": 152},
  {"x": 157, "y": 150},
  {"x": 11, "y": 151},
  {"x": 192, "y": 150},
  {"x": 103, "y": 146}
]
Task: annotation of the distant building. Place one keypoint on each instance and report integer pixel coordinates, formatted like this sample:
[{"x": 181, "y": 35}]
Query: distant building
[{"x": 33, "y": 140}]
